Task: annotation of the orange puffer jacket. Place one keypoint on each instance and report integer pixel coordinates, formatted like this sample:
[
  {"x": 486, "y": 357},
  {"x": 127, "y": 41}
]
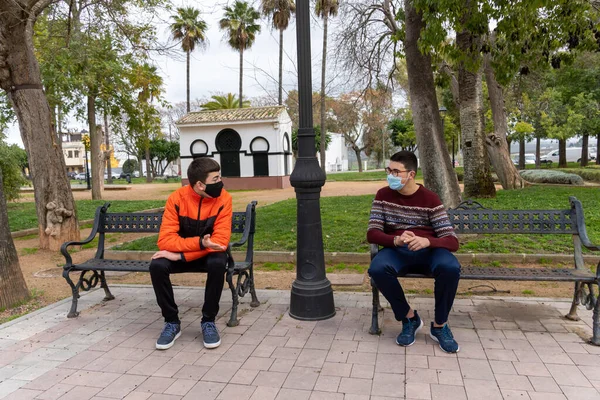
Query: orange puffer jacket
[{"x": 189, "y": 216}]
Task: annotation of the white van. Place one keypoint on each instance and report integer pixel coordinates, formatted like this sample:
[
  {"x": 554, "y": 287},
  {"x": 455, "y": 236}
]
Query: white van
[{"x": 573, "y": 155}]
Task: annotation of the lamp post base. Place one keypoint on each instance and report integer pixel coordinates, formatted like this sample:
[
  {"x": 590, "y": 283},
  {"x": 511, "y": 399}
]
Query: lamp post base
[{"x": 312, "y": 301}]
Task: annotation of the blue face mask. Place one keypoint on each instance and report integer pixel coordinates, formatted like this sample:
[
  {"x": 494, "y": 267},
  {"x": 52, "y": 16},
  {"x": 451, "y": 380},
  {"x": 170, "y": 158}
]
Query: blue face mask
[{"x": 395, "y": 182}]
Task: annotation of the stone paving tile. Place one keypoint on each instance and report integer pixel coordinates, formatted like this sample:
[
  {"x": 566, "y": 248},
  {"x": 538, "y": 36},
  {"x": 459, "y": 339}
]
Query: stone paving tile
[
  {"x": 293, "y": 394},
  {"x": 386, "y": 384},
  {"x": 447, "y": 392}
]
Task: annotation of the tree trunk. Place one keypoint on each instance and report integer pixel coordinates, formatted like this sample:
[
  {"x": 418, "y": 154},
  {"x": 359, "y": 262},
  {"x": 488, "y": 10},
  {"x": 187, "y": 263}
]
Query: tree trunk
[
  {"x": 537, "y": 151},
  {"x": 187, "y": 72},
  {"x": 477, "y": 176},
  {"x": 280, "y": 97},
  {"x": 522, "y": 153},
  {"x": 13, "y": 288},
  {"x": 107, "y": 153},
  {"x": 562, "y": 153},
  {"x": 323, "y": 67},
  {"x": 598, "y": 149},
  {"x": 241, "y": 74},
  {"x": 148, "y": 165},
  {"x": 97, "y": 159},
  {"x": 496, "y": 143},
  {"x": 20, "y": 78},
  {"x": 584, "y": 150},
  {"x": 434, "y": 157},
  {"x": 358, "y": 159}
]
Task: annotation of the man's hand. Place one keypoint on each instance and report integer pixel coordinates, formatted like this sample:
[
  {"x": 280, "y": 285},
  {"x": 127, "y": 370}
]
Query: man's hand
[
  {"x": 169, "y": 255},
  {"x": 209, "y": 244},
  {"x": 417, "y": 243}
]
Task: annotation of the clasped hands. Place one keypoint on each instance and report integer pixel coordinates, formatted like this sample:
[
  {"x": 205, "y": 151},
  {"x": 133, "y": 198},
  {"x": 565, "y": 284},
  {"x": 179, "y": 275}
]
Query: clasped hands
[
  {"x": 413, "y": 241},
  {"x": 206, "y": 242}
]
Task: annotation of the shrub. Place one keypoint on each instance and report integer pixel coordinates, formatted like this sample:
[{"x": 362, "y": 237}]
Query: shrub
[
  {"x": 12, "y": 176},
  {"x": 589, "y": 173},
  {"x": 551, "y": 176}
]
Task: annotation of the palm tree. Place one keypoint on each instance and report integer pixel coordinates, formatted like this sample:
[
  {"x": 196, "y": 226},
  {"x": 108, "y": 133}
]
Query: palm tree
[
  {"x": 280, "y": 12},
  {"x": 239, "y": 24},
  {"x": 224, "y": 103},
  {"x": 191, "y": 30},
  {"x": 324, "y": 9}
]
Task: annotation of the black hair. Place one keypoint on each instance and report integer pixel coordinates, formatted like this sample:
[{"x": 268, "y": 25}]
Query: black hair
[
  {"x": 200, "y": 168},
  {"x": 407, "y": 158}
]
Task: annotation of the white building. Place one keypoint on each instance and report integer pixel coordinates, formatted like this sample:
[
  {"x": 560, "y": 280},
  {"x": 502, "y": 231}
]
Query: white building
[
  {"x": 252, "y": 145},
  {"x": 336, "y": 155}
]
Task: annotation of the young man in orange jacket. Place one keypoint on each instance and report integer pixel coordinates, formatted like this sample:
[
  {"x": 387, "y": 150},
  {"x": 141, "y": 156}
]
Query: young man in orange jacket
[{"x": 194, "y": 235}]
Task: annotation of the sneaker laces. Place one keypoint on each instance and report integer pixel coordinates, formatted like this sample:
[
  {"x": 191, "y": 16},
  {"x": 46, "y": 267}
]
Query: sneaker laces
[
  {"x": 170, "y": 329},
  {"x": 209, "y": 328},
  {"x": 446, "y": 333},
  {"x": 407, "y": 327}
]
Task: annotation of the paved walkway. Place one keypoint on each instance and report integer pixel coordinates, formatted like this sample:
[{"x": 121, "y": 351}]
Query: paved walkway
[{"x": 510, "y": 349}]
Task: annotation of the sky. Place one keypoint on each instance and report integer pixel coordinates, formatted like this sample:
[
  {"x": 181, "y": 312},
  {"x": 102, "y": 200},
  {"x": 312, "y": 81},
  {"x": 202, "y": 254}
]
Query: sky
[{"x": 216, "y": 69}]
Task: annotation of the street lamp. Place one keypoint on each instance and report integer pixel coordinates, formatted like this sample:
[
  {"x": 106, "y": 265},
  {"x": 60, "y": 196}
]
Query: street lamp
[
  {"x": 443, "y": 114},
  {"x": 311, "y": 296}
]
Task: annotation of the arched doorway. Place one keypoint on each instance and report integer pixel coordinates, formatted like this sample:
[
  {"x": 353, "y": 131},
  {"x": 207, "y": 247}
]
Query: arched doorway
[
  {"x": 228, "y": 145},
  {"x": 260, "y": 156},
  {"x": 287, "y": 150}
]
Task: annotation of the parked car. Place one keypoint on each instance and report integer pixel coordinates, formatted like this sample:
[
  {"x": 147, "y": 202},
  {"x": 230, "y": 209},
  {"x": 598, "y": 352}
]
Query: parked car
[
  {"x": 573, "y": 155},
  {"x": 81, "y": 176},
  {"x": 529, "y": 159},
  {"x": 72, "y": 175},
  {"x": 134, "y": 174}
]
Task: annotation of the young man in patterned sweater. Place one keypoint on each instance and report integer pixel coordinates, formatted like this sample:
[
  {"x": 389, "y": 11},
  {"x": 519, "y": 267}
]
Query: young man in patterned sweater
[{"x": 411, "y": 224}]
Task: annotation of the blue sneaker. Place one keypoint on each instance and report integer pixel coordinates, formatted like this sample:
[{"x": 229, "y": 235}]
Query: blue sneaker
[
  {"x": 167, "y": 338},
  {"x": 210, "y": 335},
  {"x": 444, "y": 337},
  {"x": 410, "y": 327}
]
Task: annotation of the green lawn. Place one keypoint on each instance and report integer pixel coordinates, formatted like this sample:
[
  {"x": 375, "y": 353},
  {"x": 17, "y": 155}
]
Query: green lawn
[
  {"x": 344, "y": 221},
  {"x": 23, "y": 215}
]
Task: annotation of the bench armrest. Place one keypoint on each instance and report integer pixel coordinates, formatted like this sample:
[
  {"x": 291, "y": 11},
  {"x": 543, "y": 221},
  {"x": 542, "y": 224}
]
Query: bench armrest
[
  {"x": 247, "y": 226},
  {"x": 374, "y": 250},
  {"x": 64, "y": 248},
  {"x": 580, "y": 220}
]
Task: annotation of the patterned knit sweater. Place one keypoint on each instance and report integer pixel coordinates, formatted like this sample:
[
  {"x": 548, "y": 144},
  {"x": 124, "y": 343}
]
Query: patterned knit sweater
[{"x": 421, "y": 212}]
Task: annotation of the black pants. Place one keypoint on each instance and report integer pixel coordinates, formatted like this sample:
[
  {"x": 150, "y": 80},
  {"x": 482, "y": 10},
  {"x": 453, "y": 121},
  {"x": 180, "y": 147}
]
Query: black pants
[{"x": 160, "y": 270}]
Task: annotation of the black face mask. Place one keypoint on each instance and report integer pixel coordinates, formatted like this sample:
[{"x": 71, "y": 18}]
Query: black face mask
[{"x": 214, "y": 189}]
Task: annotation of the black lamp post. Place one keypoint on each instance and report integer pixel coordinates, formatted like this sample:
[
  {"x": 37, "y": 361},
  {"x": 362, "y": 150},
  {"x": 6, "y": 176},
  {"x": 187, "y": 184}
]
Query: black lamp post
[
  {"x": 87, "y": 169},
  {"x": 311, "y": 296},
  {"x": 443, "y": 115}
]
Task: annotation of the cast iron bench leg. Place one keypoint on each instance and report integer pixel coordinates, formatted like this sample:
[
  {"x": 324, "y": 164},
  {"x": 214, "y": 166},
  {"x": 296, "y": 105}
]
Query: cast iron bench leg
[
  {"x": 254, "y": 302},
  {"x": 75, "y": 291},
  {"x": 375, "y": 313},
  {"x": 233, "y": 321},
  {"x": 107, "y": 294},
  {"x": 572, "y": 315},
  {"x": 596, "y": 322}
]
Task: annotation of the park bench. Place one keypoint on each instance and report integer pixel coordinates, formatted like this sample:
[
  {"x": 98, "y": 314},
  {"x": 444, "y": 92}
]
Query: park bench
[
  {"x": 93, "y": 270},
  {"x": 470, "y": 217}
]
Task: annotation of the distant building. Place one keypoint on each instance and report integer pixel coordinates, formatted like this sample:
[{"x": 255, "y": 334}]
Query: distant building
[
  {"x": 336, "y": 155},
  {"x": 73, "y": 151},
  {"x": 252, "y": 145}
]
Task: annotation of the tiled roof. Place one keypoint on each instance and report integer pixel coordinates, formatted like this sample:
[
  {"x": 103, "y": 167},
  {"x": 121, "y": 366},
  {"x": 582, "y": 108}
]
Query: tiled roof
[{"x": 233, "y": 115}]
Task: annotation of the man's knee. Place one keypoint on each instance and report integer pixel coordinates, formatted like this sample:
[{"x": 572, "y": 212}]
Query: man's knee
[
  {"x": 448, "y": 267},
  {"x": 159, "y": 266},
  {"x": 380, "y": 265},
  {"x": 216, "y": 262}
]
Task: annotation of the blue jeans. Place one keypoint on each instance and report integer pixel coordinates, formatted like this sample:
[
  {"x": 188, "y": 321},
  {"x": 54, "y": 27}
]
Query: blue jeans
[{"x": 390, "y": 263}]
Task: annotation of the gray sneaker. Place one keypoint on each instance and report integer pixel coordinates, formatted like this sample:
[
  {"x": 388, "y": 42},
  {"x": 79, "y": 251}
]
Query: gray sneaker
[{"x": 410, "y": 327}]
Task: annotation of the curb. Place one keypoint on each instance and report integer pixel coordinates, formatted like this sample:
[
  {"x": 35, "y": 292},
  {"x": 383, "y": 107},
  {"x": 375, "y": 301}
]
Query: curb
[
  {"x": 34, "y": 231},
  {"x": 365, "y": 258}
]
